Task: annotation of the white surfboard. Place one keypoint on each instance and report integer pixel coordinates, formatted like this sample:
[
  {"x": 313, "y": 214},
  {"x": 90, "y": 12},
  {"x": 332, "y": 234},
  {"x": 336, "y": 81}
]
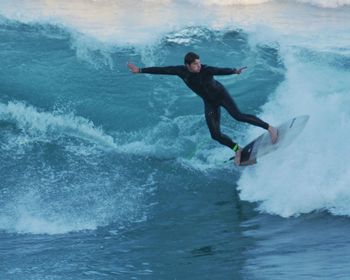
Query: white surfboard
[{"x": 262, "y": 145}]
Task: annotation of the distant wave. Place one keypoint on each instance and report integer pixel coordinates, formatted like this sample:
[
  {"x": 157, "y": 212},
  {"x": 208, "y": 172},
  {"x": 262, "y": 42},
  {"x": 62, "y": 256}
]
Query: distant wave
[
  {"x": 319, "y": 3},
  {"x": 326, "y": 3},
  {"x": 104, "y": 20},
  {"x": 230, "y": 2}
]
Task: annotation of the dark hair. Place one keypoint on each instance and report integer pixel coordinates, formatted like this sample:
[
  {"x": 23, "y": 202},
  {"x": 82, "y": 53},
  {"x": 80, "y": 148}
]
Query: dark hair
[{"x": 190, "y": 57}]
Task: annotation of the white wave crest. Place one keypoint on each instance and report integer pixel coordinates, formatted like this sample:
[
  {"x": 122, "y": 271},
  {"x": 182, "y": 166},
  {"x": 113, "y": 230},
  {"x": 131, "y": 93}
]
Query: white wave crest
[
  {"x": 313, "y": 173},
  {"x": 37, "y": 123}
]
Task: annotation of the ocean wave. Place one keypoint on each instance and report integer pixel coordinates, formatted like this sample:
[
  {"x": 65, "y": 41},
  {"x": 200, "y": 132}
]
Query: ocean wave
[
  {"x": 68, "y": 176},
  {"x": 122, "y": 23},
  {"x": 312, "y": 174},
  {"x": 292, "y": 70},
  {"x": 41, "y": 124},
  {"x": 101, "y": 29},
  {"x": 53, "y": 204}
]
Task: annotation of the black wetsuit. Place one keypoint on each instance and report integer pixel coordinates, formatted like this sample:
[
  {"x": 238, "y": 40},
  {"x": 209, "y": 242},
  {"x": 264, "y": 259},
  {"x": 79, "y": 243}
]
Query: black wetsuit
[{"x": 213, "y": 94}]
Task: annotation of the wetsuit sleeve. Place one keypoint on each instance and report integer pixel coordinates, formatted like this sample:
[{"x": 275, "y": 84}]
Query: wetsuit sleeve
[
  {"x": 221, "y": 71},
  {"x": 167, "y": 70}
]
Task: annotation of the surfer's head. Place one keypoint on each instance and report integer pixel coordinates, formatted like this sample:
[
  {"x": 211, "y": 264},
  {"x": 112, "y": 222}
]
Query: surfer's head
[{"x": 192, "y": 62}]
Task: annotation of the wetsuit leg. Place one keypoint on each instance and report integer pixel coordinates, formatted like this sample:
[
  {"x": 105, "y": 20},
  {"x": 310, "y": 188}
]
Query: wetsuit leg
[
  {"x": 232, "y": 109},
  {"x": 212, "y": 117}
]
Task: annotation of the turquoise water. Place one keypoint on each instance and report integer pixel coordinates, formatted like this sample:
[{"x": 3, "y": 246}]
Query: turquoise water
[{"x": 109, "y": 175}]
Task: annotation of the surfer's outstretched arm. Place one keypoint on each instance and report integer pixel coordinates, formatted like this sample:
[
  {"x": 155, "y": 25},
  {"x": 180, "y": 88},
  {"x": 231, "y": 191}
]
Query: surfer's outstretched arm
[
  {"x": 224, "y": 71},
  {"x": 166, "y": 70}
]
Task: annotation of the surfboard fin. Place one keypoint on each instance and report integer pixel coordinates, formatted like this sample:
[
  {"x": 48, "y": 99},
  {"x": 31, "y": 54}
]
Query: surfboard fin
[{"x": 230, "y": 159}]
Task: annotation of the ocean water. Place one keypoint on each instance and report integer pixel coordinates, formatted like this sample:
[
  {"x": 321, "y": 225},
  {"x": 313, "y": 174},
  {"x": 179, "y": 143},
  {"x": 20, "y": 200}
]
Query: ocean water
[{"x": 109, "y": 175}]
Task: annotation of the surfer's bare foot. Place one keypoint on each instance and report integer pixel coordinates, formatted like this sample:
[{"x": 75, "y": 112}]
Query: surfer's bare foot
[
  {"x": 273, "y": 133},
  {"x": 238, "y": 157}
]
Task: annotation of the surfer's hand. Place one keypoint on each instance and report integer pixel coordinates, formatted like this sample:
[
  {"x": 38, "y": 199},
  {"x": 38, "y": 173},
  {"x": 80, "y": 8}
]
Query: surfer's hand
[
  {"x": 239, "y": 70},
  {"x": 273, "y": 134},
  {"x": 133, "y": 68},
  {"x": 238, "y": 156}
]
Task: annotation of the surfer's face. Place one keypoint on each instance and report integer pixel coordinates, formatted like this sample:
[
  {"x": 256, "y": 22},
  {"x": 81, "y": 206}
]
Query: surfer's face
[{"x": 195, "y": 66}]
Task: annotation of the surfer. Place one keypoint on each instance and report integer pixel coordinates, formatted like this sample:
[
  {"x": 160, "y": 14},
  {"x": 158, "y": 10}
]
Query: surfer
[{"x": 199, "y": 78}]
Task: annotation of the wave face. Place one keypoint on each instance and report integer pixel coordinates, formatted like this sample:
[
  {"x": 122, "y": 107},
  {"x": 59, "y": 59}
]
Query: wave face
[{"x": 85, "y": 144}]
